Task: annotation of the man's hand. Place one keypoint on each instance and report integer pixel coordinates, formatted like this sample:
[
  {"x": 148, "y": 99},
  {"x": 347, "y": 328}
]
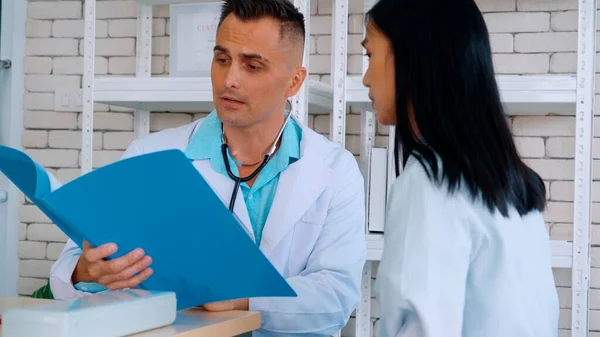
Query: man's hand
[
  {"x": 125, "y": 272},
  {"x": 241, "y": 304}
]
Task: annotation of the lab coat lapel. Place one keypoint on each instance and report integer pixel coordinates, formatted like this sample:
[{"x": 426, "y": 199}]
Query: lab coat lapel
[
  {"x": 299, "y": 187},
  {"x": 223, "y": 186}
]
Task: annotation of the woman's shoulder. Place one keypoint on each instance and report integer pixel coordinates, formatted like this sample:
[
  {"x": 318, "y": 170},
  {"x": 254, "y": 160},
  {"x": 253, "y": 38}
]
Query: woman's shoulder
[
  {"x": 417, "y": 183},
  {"x": 418, "y": 204},
  {"x": 415, "y": 188}
]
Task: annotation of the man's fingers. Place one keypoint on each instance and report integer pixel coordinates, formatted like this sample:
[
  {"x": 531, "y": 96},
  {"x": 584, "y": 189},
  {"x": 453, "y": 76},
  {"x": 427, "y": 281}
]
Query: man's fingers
[
  {"x": 127, "y": 272},
  {"x": 97, "y": 254},
  {"x": 131, "y": 282},
  {"x": 118, "y": 265},
  {"x": 120, "y": 269}
]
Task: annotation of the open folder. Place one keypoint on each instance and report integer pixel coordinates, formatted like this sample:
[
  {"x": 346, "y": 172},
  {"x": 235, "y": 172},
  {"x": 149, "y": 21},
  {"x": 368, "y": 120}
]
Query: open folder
[{"x": 158, "y": 202}]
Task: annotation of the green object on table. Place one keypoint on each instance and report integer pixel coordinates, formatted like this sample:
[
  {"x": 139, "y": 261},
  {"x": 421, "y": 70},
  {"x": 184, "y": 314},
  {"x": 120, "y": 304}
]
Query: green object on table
[{"x": 44, "y": 292}]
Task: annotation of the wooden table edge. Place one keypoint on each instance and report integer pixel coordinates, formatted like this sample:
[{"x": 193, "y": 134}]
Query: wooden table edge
[{"x": 247, "y": 322}]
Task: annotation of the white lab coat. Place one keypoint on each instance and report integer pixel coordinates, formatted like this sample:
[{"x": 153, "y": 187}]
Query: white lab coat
[
  {"x": 314, "y": 235},
  {"x": 452, "y": 268}
]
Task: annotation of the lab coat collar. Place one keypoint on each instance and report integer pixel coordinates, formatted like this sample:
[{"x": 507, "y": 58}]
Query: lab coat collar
[
  {"x": 223, "y": 186},
  {"x": 206, "y": 140},
  {"x": 298, "y": 188}
]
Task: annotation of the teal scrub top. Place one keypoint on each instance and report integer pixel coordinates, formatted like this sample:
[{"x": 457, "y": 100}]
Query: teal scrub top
[{"x": 206, "y": 144}]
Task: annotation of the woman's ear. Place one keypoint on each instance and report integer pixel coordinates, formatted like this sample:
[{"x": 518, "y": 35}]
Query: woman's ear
[{"x": 296, "y": 82}]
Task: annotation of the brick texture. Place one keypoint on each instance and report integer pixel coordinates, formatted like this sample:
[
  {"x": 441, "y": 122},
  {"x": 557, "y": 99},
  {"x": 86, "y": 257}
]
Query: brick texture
[
  {"x": 527, "y": 37},
  {"x": 55, "y": 10},
  {"x": 496, "y": 5},
  {"x": 530, "y": 22},
  {"x": 521, "y": 63}
]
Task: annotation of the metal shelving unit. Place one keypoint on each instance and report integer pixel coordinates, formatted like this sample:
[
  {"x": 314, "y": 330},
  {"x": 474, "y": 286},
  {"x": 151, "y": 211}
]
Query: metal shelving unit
[{"x": 539, "y": 94}]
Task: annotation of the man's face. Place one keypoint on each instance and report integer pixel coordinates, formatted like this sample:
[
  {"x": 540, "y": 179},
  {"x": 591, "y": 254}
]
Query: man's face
[{"x": 252, "y": 71}]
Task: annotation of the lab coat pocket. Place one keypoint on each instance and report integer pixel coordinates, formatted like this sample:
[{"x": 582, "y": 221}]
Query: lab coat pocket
[{"x": 306, "y": 234}]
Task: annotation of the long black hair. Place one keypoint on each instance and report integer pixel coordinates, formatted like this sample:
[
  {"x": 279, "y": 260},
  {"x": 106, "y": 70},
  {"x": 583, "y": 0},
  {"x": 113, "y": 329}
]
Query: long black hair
[{"x": 444, "y": 71}]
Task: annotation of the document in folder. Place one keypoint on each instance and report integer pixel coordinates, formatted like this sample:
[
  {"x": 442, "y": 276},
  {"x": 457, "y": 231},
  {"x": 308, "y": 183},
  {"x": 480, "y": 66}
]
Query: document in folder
[{"x": 158, "y": 202}]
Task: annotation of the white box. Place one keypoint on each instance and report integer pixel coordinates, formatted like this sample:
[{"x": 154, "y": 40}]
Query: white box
[
  {"x": 378, "y": 189},
  {"x": 193, "y": 35},
  {"x": 106, "y": 314}
]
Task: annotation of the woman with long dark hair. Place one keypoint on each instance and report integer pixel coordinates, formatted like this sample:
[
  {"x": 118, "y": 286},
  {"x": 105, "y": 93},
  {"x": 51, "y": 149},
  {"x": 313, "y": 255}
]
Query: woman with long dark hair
[{"x": 466, "y": 250}]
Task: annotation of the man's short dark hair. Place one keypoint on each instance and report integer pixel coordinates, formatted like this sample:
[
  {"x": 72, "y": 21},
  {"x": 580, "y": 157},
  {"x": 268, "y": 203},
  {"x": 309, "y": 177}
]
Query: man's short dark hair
[{"x": 284, "y": 11}]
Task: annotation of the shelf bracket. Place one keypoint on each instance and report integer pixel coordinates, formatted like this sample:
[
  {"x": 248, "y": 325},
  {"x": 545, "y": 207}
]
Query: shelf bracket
[
  {"x": 583, "y": 167},
  {"x": 87, "y": 120},
  {"x": 300, "y": 100},
  {"x": 339, "y": 61},
  {"x": 363, "y": 311},
  {"x": 141, "y": 118}
]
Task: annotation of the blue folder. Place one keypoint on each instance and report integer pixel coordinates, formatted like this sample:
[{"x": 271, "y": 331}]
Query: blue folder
[{"x": 158, "y": 202}]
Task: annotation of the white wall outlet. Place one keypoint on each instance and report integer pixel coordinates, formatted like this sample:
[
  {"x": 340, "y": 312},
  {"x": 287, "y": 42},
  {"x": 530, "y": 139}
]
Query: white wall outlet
[{"x": 68, "y": 99}]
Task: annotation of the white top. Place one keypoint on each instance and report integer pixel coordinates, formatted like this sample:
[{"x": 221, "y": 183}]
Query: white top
[{"x": 451, "y": 268}]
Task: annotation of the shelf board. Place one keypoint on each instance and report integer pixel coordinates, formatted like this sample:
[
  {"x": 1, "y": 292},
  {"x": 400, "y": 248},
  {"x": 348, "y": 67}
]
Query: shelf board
[
  {"x": 530, "y": 95},
  {"x": 172, "y": 2},
  {"x": 181, "y": 94},
  {"x": 562, "y": 251},
  {"x": 522, "y": 95}
]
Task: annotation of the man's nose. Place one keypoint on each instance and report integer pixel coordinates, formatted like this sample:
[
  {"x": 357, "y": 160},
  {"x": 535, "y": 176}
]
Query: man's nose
[{"x": 232, "y": 77}]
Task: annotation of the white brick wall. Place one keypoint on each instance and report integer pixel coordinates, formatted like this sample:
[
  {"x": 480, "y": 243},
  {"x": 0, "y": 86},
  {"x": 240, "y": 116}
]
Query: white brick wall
[{"x": 527, "y": 36}]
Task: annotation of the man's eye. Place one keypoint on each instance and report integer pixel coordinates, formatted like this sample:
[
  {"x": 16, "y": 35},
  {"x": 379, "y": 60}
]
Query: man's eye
[
  {"x": 253, "y": 67},
  {"x": 220, "y": 59}
]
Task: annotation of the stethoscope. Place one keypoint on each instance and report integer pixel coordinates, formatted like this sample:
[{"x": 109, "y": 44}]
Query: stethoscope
[
  {"x": 265, "y": 160},
  {"x": 239, "y": 180}
]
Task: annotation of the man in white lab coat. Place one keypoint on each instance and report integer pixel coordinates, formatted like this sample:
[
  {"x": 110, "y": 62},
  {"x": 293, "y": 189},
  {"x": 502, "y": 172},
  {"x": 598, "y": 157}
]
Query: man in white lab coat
[{"x": 304, "y": 209}]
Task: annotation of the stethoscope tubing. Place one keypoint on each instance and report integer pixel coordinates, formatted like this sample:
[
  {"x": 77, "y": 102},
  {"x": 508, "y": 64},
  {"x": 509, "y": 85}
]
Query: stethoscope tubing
[{"x": 239, "y": 180}]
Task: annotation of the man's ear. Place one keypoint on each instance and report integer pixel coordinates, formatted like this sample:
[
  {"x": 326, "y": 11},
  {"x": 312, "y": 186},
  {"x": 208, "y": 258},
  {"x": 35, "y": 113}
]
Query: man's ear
[{"x": 297, "y": 81}]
